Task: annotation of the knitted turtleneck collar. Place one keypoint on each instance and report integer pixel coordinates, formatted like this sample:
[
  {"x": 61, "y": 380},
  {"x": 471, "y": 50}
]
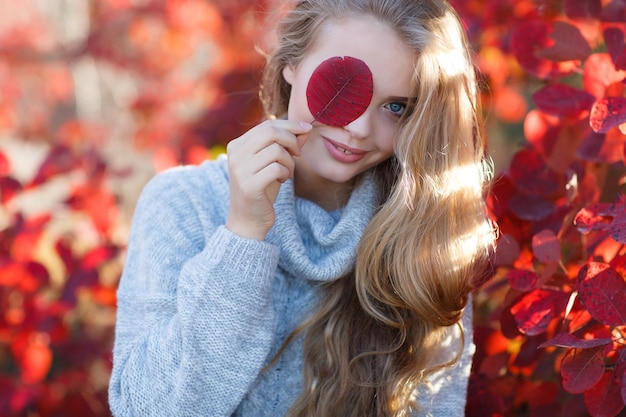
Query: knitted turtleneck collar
[{"x": 319, "y": 245}]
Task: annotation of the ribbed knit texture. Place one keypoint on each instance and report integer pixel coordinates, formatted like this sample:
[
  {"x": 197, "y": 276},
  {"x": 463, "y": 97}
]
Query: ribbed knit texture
[{"x": 202, "y": 310}]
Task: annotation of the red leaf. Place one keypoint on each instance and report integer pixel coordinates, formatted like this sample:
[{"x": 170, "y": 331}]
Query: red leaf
[
  {"x": 526, "y": 37},
  {"x": 28, "y": 277},
  {"x": 98, "y": 202},
  {"x": 5, "y": 165},
  {"x": 602, "y": 147},
  {"x": 340, "y": 90},
  {"x": 600, "y": 73},
  {"x": 546, "y": 246},
  {"x": 610, "y": 218},
  {"x": 567, "y": 340},
  {"x": 10, "y": 272},
  {"x": 616, "y": 46},
  {"x": 9, "y": 188},
  {"x": 531, "y": 175},
  {"x": 568, "y": 44},
  {"x": 27, "y": 236},
  {"x": 620, "y": 373},
  {"x": 534, "y": 311},
  {"x": 602, "y": 291},
  {"x": 542, "y": 131},
  {"x": 97, "y": 256},
  {"x": 604, "y": 399},
  {"x": 593, "y": 218},
  {"x": 582, "y": 9},
  {"x": 563, "y": 100},
  {"x": 615, "y": 11},
  {"x": 607, "y": 113},
  {"x": 36, "y": 359},
  {"x": 581, "y": 369},
  {"x": 531, "y": 208},
  {"x": 80, "y": 279},
  {"x": 529, "y": 38},
  {"x": 522, "y": 280},
  {"x": 60, "y": 160}
]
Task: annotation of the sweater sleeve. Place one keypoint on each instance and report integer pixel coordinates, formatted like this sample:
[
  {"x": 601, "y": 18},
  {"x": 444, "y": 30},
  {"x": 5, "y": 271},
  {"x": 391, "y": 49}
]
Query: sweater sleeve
[
  {"x": 195, "y": 320},
  {"x": 445, "y": 392}
]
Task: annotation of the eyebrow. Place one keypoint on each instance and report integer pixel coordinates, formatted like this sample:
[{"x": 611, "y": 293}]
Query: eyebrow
[{"x": 403, "y": 99}]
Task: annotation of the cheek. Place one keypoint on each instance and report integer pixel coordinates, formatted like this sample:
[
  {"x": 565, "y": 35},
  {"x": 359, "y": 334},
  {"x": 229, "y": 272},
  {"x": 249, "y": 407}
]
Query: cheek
[
  {"x": 298, "y": 106},
  {"x": 387, "y": 138}
]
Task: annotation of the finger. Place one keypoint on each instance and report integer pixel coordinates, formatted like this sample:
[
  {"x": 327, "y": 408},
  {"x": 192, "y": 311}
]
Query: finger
[
  {"x": 282, "y": 132},
  {"x": 275, "y": 153},
  {"x": 269, "y": 176},
  {"x": 286, "y": 133},
  {"x": 293, "y": 126},
  {"x": 245, "y": 165}
]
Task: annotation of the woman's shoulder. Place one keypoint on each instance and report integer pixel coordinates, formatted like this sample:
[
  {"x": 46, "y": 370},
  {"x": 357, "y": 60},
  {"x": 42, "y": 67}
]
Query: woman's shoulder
[
  {"x": 210, "y": 177},
  {"x": 201, "y": 188}
]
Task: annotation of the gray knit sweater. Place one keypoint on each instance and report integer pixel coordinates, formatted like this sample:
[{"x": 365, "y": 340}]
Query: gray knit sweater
[{"x": 201, "y": 310}]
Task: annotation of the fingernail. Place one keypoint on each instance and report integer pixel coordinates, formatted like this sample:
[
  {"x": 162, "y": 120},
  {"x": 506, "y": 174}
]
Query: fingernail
[{"x": 306, "y": 125}]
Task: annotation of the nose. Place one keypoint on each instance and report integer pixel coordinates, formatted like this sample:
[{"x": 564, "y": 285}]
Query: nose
[{"x": 360, "y": 127}]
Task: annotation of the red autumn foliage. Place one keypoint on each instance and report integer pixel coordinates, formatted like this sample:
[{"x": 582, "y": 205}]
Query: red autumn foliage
[
  {"x": 550, "y": 323},
  {"x": 168, "y": 80},
  {"x": 559, "y": 276}
]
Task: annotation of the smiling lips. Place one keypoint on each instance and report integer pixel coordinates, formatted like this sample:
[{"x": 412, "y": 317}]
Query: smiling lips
[{"x": 343, "y": 153}]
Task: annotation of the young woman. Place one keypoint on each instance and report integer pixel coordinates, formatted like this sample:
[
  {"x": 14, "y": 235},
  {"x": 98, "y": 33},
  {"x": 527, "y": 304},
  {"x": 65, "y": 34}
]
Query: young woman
[{"x": 318, "y": 270}]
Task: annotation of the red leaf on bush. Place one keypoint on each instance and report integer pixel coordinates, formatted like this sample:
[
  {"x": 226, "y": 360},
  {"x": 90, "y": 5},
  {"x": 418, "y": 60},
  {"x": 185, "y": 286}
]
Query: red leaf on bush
[
  {"x": 594, "y": 217},
  {"x": 546, "y": 246},
  {"x": 9, "y": 188},
  {"x": 582, "y": 9},
  {"x": 615, "y": 11},
  {"x": 10, "y": 272},
  {"x": 599, "y": 74},
  {"x": 542, "y": 131},
  {"x": 534, "y": 311},
  {"x": 522, "y": 280},
  {"x": 63, "y": 249},
  {"x": 581, "y": 369},
  {"x": 340, "y": 90},
  {"x": 615, "y": 40},
  {"x": 98, "y": 202},
  {"x": 602, "y": 291},
  {"x": 563, "y": 100},
  {"x": 526, "y": 38},
  {"x": 604, "y": 399},
  {"x": 35, "y": 360},
  {"x": 610, "y": 218},
  {"x": 531, "y": 208},
  {"x": 79, "y": 279},
  {"x": 607, "y": 113},
  {"x": 60, "y": 160},
  {"x": 602, "y": 147},
  {"x": 508, "y": 250},
  {"x": 620, "y": 373},
  {"x": 97, "y": 256},
  {"x": 27, "y": 236},
  {"x": 5, "y": 165},
  {"x": 531, "y": 175},
  {"x": 568, "y": 340},
  {"x": 28, "y": 277},
  {"x": 567, "y": 44}
]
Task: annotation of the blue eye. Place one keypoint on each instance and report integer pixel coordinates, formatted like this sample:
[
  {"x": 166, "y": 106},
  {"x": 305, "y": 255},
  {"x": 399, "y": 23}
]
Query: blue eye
[{"x": 397, "y": 108}]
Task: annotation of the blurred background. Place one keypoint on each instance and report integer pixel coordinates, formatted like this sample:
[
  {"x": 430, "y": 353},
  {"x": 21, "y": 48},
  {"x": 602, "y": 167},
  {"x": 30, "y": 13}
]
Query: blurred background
[{"x": 96, "y": 96}]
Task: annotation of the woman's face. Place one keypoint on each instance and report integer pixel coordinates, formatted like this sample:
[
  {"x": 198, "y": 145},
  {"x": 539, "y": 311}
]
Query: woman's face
[{"x": 333, "y": 156}]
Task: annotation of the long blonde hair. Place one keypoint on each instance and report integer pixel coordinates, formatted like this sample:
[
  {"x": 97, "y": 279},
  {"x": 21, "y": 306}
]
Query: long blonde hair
[{"x": 374, "y": 336}]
